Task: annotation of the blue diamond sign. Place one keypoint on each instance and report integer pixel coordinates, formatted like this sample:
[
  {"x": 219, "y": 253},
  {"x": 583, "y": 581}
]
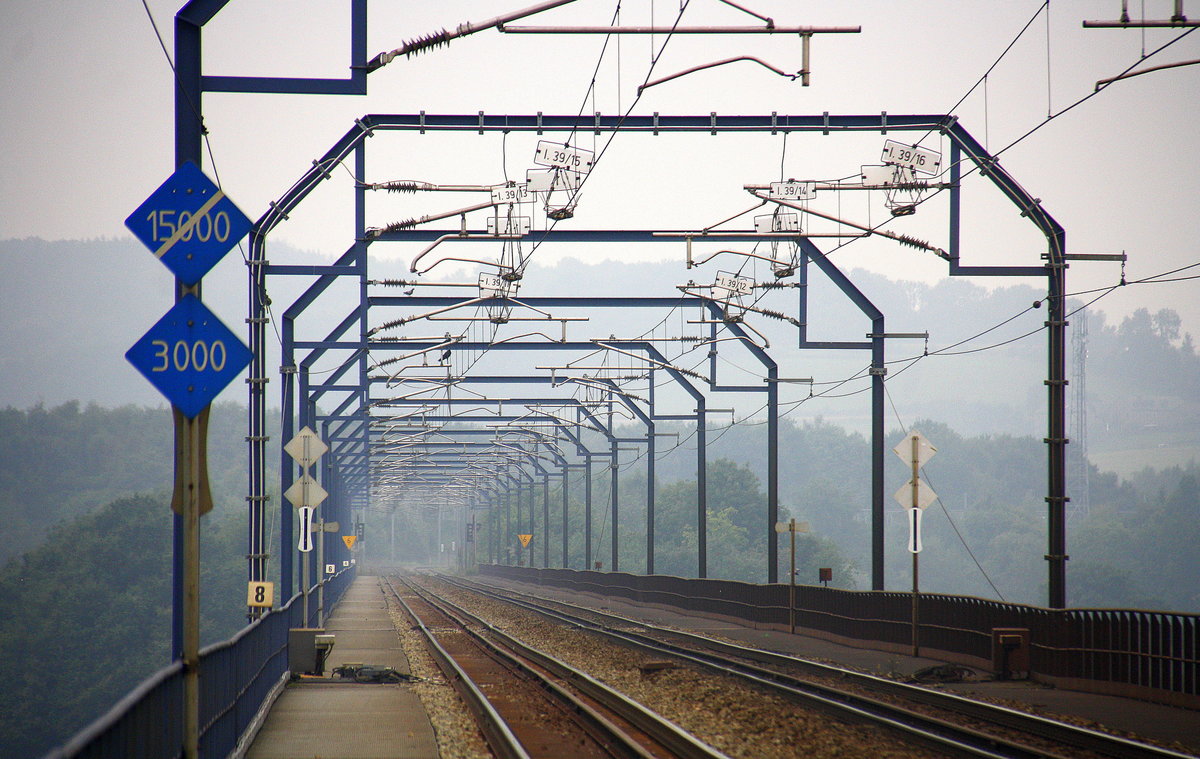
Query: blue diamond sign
[
  {"x": 188, "y": 223},
  {"x": 189, "y": 355}
]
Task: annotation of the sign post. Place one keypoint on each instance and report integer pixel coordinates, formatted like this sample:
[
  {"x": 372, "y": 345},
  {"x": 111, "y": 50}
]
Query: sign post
[
  {"x": 189, "y": 224},
  {"x": 792, "y": 527},
  {"x": 306, "y": 448},
  {"x": 915, "y": 496},
  {"x": 472, "y": 530}
]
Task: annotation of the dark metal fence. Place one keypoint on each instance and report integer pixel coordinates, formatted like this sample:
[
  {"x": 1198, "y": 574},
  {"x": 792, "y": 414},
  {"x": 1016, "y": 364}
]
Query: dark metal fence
[
  {"x": 1123, "y": 651},
  {"x": 235, "y": 678}
]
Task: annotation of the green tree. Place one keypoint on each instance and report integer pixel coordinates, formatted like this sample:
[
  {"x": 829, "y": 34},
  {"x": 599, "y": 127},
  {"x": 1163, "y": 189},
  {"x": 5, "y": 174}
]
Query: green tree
[{"x": 87, "y": 615}]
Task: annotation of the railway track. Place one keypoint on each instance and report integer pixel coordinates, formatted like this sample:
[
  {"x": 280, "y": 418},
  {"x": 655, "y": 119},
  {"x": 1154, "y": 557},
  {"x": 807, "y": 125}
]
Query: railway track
[
  {"x": 941, "y": 721},
  {"x": 529, "y": 704}
]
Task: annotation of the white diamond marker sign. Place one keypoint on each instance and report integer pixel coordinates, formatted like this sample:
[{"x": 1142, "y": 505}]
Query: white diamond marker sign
[
  {"x": 923, "y": 450},
  {"x": 306, "y": 447},
  {"x": 306, "y": 492},
  {"x": 925, "y": 495}
]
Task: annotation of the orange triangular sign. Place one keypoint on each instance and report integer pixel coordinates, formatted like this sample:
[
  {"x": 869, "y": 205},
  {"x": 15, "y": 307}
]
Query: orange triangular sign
[
  {"x": 525, "y": 540},
  {"x": 350, "y": 540}
]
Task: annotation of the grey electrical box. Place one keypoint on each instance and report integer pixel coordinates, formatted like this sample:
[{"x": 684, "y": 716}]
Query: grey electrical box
[{"x": 308, "y": 647}]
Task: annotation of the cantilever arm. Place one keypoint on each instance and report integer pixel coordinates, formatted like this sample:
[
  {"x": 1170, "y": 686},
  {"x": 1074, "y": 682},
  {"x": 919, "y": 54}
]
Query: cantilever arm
[{"x": 714, "y": 64}]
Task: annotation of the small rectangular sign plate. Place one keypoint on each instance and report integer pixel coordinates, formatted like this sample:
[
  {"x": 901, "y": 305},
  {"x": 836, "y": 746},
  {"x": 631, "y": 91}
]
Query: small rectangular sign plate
[
  {"x": 920, "y": 160},
  {"x": 564, "y": 157},
  {"x": 778, "y": 222},
  {"x": 509, "y": 225},
  {"x": 733, "y": 284},
  {"x": 511, "y": 193},
  {"x": 792, "y": 190}
]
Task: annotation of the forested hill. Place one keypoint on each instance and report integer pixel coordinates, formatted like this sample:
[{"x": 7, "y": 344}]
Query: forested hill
[
  {"x": 85, "y": 577},
  {"x": 86, "y": 616},
  {"x": 84, "y": 612},
  {"x": 58, "y": 463}
]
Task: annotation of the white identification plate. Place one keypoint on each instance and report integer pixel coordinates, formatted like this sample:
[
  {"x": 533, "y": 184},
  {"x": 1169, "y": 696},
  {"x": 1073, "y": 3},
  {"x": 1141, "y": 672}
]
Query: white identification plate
[
  {"x": 548, "y": 181},
  {"x": 733, "y": 284},
  {"x": 777, "y": 222},
  {"x": 886, "y": 176},
  {"x": 564, "y": 157},
  {"x": 509, "y": 225},
  {"x": 918, "y": 159},
  {"x": 511, "y": 193},
  {"x": 792, "y": 190},
  {"x": 491, "y": 285}
]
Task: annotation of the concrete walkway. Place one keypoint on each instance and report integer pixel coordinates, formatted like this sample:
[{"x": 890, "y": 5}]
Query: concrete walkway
[{"x": 333, "y": 720}]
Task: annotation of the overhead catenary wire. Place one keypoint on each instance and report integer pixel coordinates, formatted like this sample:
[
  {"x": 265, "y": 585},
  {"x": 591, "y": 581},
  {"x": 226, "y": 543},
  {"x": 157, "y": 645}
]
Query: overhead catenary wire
[
  {"x": 943, "y": 351},
  {"x": 983, "y": 79},
  {"x": 523, "y": 258},
  {"x": 522, "y": 262},
  {"x": 745, "y": 421},
  {"x": 972, "y": 169},
  {"x": 574, "y": 194}
]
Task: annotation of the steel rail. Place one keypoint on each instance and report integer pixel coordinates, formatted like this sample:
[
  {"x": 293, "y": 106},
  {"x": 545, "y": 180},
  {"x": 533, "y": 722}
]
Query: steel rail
[
  {"x": 670, "y": 736},
  {"x": 499, "y": 737},
  {"x": 1049, "y": 729},
  {"x": 919, "y": 729}
]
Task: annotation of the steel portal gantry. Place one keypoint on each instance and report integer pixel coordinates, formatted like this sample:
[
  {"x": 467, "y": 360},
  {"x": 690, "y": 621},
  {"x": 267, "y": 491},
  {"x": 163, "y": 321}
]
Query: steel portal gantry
[
  {"x": 647, "y": 418},
  {"x": 963, "y": 148}
]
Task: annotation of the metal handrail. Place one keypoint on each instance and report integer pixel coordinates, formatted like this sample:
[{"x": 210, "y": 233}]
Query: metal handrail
[{"x": 141, "y": 723}]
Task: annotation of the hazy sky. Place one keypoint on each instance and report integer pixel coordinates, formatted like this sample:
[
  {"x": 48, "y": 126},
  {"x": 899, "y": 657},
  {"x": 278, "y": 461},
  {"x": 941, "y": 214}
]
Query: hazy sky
[{"x": 87, "y": 122}]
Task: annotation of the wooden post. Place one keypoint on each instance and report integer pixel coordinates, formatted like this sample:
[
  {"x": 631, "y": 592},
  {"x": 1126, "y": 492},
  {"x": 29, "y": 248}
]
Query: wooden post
[
  {"x": 916, "y": 641},
  {"x": 792, "y": 586}
]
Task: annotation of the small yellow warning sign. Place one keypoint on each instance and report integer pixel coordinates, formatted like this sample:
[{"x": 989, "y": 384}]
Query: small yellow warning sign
[
  {"x": 524, "y": 540},
  {"x": 350, "y": 540}
]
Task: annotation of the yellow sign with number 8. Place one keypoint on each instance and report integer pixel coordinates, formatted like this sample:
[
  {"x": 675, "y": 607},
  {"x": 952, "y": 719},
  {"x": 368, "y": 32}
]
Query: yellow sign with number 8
[{"x": 261, "y": 595}]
